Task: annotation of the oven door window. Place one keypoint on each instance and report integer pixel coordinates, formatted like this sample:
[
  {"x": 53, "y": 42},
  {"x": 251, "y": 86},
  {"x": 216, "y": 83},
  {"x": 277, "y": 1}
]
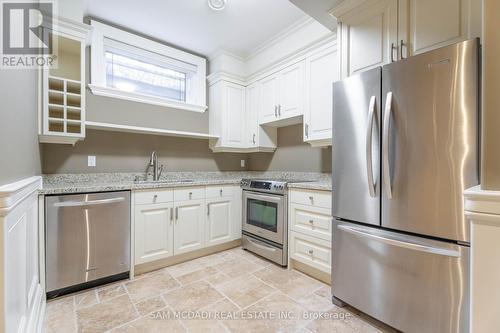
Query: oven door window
[{"x": 262, "y": 214}]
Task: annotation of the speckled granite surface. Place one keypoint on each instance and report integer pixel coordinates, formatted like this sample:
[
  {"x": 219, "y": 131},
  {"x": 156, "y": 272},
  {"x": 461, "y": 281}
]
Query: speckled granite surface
[{"x": 100, "y": 182}]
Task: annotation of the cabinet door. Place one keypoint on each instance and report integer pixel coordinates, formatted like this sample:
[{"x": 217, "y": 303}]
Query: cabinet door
[
  {"x": 425, "y": 25},
  {"x": 189, "y": 226},
  {"x": 234, "y": 125},
  {"x": 369, "y": 37},
  {"x": 153, "y": 232},
  {"x": 269, "y": 99},
  {"x": 253, "y": 109},
  {"x": 219, "y": 220},
  {"x": 291, "y": 91},
  {"x": 321, "y": 71}
]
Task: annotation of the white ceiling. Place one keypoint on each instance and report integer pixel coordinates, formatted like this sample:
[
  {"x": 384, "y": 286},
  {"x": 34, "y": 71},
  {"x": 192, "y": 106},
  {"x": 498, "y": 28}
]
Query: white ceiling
[{"x": 191, "y": 24}]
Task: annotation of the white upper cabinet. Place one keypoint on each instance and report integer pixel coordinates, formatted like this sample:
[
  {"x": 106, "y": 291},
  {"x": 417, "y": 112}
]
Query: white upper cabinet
[
  {"x": 368, "y": 36},
  {"x": 290, "y": 102},
  {"x": 283, "y": 96},
  {"x": 227, "y": 116},
  {"x": 377, "y": 32},
  {"x": 321, "y": 71},
  {"x": 259, "y": 137},
  {"x": 269, "y": 110},
  {"x": 428, "y": 24}
]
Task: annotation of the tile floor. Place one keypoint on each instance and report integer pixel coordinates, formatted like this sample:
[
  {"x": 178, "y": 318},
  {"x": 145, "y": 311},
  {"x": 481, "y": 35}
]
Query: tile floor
[{"x": 231, "y": 291}]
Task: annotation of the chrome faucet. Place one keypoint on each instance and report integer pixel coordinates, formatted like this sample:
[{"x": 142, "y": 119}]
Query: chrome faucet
[{"x": 157, "y": 170}]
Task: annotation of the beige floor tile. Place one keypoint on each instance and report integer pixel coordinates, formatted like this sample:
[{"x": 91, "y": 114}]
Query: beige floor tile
[
  {"x": 104, "y": 316},
  {"x": 290, "y": 282},
  {"x": 238, "y": 267},
  {"x": 218, "y": 279},
  {"x": 109, "y": 292},
  {"x": 325, "y": 291},
  {"x": 151, "y": 325},
  {"x": 203, "y": 326},
  {"x": 282, "y": 315},
  {"x": 196, "y": 275},
  {"x": 224, "y": 305},
  {"x": 60, "y": 316},
  {"x": 151, "y": 285},
  {"x": 86, "y": 298},
  {"x": 314, "y": 302},
  {"x": 149, "y": 305},
  {"x": 192, "y": 297},
  {"x": 245, "y": 290},
  {"x": 187, "y": 267},
  {"x": 341, "y": 321}
]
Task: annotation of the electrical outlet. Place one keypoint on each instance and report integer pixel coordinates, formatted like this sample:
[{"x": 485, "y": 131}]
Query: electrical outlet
[
  {"x": 242, "y": 163},
  {"x": 91, "y": 161}
]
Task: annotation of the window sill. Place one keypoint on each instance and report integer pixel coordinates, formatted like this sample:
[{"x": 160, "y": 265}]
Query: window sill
[{"x": 143, "y": 98}]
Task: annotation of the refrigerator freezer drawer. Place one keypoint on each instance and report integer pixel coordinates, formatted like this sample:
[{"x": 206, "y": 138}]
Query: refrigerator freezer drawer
[{"x": 411, "y": 283}]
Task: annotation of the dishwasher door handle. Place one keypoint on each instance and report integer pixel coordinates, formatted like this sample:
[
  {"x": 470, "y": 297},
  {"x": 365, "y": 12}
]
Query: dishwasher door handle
[{"x": 88, "y": 203}]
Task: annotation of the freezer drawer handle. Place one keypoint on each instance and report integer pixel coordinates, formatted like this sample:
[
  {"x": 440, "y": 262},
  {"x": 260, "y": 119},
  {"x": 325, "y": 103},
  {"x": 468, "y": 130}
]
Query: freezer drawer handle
[
  {"x": 267, "y": 248},
  {"x": 386, "y": 175},
  {"x": 369, "y": 134},
  {"x": 395, "y": 242},
  {"x": 88, "y": 203}
]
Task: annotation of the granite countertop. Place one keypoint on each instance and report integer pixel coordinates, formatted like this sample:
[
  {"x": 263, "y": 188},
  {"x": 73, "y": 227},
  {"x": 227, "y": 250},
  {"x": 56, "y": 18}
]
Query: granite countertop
[{"x": 101, "y": 182}]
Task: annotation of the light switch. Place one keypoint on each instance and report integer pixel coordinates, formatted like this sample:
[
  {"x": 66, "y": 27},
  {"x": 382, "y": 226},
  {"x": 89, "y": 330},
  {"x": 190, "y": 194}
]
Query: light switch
[
  {"x": 91, "y": 161},
  {"x": 242, "y": 163}
]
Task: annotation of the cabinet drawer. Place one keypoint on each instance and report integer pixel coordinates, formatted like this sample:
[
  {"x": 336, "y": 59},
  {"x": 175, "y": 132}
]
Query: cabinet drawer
[
  {"x": 314, "y": 221},
  {"x": 311, "y": 251},
  {"x": 219, "y": 191},
  {"x": 153, "y": 196},
  {"x": 189, "y": 193},
  {"x": 312, "y": 198}
]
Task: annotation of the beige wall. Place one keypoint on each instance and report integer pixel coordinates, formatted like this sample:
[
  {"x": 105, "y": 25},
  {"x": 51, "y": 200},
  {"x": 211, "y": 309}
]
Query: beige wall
[
  {"x": 126, "y": 152},
  {"x": 19, "y": 150},
  {"x": 292, "y": 154},
  {"x": 490, "y": 175}
]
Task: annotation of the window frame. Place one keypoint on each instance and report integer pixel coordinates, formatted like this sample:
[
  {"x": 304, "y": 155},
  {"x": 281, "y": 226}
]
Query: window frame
[{"x": 107, "y": 37}]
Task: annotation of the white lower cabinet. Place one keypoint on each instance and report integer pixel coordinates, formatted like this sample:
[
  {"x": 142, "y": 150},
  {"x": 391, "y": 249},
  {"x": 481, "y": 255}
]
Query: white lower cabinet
[
  {"x": 171, "y": 222},
  {"x": 154, "y": 232},
  {"x": 310, "y": 228},
  {"x": 219, "y": 221},
  {"x": 189, "y": 225}
]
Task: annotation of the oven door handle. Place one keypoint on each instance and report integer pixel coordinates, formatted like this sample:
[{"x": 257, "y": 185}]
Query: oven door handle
[{"x": 260, "y": 246}]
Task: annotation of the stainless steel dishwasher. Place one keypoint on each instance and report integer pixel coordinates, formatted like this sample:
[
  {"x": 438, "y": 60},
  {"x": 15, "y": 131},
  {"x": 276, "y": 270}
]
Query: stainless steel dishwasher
[{"x": 87, "y": 240}]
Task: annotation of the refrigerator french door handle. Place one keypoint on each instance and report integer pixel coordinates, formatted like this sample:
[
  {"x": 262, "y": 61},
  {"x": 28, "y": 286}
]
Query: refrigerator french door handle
[
  {"x": 386, "y": 172},
  {"x": 369, "y": 160},
  {"x": 411, "y": 246}
]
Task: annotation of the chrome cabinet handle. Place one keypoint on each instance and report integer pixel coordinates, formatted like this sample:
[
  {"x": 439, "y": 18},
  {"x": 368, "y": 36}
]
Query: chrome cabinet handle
[
  {"x": 396, "y": 242},
  {"x": 208, "y": 209},
  {"x": 253, "y": 138},
  {"x": 386, "y": 174},
  {"x": 221, "y": 192},
  {"x": 401, "y": 49},
  {"x": 307, "y": 130},
  {"x": 88, "y": 203},
  {"x": 279, "y": 110},
  {"x": 155, "y": 197},
  {"x": 311, "y": 221},
  {"x": 392, "y": 51},
  {"x": 311, "y": 198},
  {"x": 276, "y": 111},
  {"x": 369, "y": 134},
  {"x": 311, "y": 252},
  {"x": 171, "y": 214},
  {"x": 190, "y": 195},
  {"x": 176, "y": 213}
]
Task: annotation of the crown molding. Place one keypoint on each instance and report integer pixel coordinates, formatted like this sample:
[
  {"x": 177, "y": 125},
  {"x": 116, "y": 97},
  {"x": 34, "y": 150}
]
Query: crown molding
[{"x": 225, "y": 76}]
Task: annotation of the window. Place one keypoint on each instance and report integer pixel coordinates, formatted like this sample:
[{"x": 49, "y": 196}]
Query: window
[
  {"x": 152, "y": 73},
  {"x": 128, "y": 74}
]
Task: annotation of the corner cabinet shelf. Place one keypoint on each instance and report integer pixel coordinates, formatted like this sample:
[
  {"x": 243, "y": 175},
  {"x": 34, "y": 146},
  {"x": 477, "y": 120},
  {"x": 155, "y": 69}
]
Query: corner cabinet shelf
[{"x": 62, "y": 88}]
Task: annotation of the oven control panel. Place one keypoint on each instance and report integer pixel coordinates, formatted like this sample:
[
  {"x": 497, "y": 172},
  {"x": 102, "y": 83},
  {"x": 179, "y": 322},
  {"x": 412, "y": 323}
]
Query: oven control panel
[{"x": 264, "y": 185}]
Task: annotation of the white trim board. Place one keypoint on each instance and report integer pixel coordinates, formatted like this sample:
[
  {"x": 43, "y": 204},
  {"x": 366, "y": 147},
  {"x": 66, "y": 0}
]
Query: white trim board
[{"x": 14, "y": 193}]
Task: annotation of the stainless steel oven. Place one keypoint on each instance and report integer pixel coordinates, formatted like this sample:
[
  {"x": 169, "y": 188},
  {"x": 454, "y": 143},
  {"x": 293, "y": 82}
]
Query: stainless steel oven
[{"x": 265, "y": 219}]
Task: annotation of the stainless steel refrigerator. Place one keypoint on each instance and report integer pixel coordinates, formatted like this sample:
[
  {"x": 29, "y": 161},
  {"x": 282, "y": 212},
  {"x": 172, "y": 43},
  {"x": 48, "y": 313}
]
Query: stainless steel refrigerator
[{"x": 405, "y": 146}]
